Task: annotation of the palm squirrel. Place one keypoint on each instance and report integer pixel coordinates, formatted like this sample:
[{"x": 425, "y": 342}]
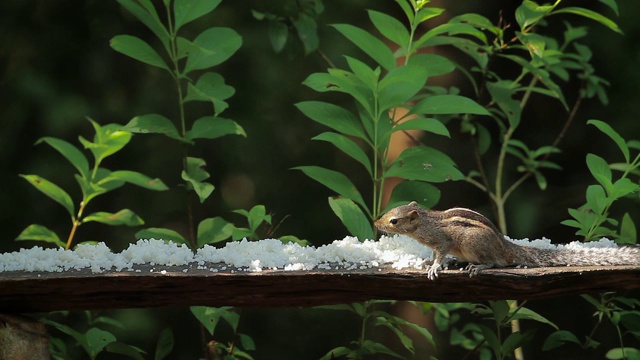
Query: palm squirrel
[{"x": 472, "y": 238}]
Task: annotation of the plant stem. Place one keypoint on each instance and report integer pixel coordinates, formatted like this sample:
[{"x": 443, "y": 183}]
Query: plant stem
[
  {"x": 363, "y": 329},
  {"x": 76, "y": 223},
  {"x": 173, "y": 54}
]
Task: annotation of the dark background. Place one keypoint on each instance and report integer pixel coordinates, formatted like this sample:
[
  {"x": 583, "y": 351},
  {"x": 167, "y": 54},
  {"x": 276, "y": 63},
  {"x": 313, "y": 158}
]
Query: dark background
[{"x": 56, "y": 68}]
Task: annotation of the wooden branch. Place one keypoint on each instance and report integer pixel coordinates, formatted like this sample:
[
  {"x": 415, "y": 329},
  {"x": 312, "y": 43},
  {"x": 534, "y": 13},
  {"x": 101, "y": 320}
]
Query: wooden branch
[{"x": 153, "y": 287}]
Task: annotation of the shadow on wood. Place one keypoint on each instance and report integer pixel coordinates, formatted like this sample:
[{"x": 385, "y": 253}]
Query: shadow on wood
[{"x": 183, "y": 286}]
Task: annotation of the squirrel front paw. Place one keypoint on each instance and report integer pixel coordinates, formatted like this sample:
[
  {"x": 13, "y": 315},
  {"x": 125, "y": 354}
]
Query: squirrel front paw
[{"x": 432, "y": 274}]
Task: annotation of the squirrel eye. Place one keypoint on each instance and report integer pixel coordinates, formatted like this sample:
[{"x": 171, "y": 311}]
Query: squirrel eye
[{"x": 393, "y": 221}]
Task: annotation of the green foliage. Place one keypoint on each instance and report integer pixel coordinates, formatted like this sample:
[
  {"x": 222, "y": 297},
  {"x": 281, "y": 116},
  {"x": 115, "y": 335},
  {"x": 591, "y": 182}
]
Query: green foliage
[
  {"x": 488, "y": 339},
  {"x": 300, "y": 19},
  {"x": 544, "y": 61},
  {"x": 620, "y": 312},
  {"x": 238, "y": 346},
  {"x": 93, "y": 181},
  {"x": 592, "y": 219},
  {"x": 93, "y": 341},
  {"x": 185, "y": 59},
  {"x": 369, "y": 314},
  {"x": 364, "y": 133}
]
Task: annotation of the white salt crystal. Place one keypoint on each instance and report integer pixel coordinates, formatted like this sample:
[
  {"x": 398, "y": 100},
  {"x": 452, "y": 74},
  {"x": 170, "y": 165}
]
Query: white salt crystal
[{"x": 399, "y": 252}]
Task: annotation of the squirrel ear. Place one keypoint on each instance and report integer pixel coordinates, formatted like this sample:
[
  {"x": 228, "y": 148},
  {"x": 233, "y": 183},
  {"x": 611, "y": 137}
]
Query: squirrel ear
[
  {"x": 413, "y": 214},
  {"x": 413, "y": 203}
]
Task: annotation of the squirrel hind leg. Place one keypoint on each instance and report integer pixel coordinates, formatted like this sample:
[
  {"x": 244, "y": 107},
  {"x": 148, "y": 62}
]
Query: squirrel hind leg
[{"x": 475, "y": 269}]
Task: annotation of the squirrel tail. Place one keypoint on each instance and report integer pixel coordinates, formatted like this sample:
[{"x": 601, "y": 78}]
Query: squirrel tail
[{"x": 587, "y": 256}]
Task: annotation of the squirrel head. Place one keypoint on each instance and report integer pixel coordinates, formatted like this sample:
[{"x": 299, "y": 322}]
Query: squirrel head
[{"x": 400, "y": 220}]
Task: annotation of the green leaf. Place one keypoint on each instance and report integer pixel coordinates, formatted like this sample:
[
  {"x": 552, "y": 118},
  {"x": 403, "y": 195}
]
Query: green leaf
[
  {"x": 426, "y": 13},
  {"x": 626, "y": 353},
  {"x": 332, "y": 116},
  {"x": 194, "y": 175},
  {"x": 130, "y": 351},
  {"x": 421, "y": 192},
  {"x": 247, "y": 342},
  {"x": 453, "y": 29},
  {"x": 335, "y": 181},
  {"x": 209, "y": 317},
  {"x": 148, "y": 15},
  {"x": 390, "y": 27},
  {"x": 108, "y": 140},
  {"x": 535, "y": 43},
  {"x": 196, "y": 168},
  {"x": 348, "y": 147},
  {"x": 500, "y": 310},
  {"x": 612, "y": 4},
  {"x": 70, "y": 152},
  {"x": 339, "y": 352},
  {"x": 424, "y": 164},
  {"x": 370, "y": 347},
  {"x": 210, "y": 127},
  {"x": 530, "y": 13},
  {"x": 258, "y": 215},
  {"x": 623, "y": 187},
  {"x": 78, "y": 336},
  {"x": 342, "y": 81},
  {"x": 477, "y": 21},
  {"x": 278, "y": 35},
  {"x": 407, "y": 9},
  {"x": 596, "y": 198},
  {"x": 214, "y": 230},
  {"x": 608, "y": 130},
  {"x": 628, "y": 233},
  {"x": 541, "y": 74},
  {"x": 307, "y": 30},
  {"x": 40, "y": 233},
  {"x": 599, "y": 168},
  {"x": 502, "y": 93},
  {"x": 491, "y": 338},
  {"x": 433, "y": 64},
  {"x": 364, "y": 74},
  {"x": 153, "y": 124},
  {"x": 165, "y": 344},
  {"x": 590, "y": 14},
  {"x": 516, "y": 340},
  {"x": 97, "y": 340},
  {"x": 186, "y": 11},
  {"x": 558, "y": 339},
  {"x": 53, "y": 191},
  {"x": 90, "y": 189},
  {"x": 138, "y": 179},
  {"x": 399, "y": 86},
  {"x": 352, "y": 217},
  {"x": 138, "y": 49},
  {"x": 448, "y": 104},
  {"x": 425, "y": 124},
  {"x": 212, "y": 47},
  {"x": 405, "y": 340},
  {"x": 161, "y": 234},
  {"x": 368, "y": 43},
  {"x": 528, "y": 314},
  {"x": 122, "y": 217},
  {"x": 211, "y": 87}
]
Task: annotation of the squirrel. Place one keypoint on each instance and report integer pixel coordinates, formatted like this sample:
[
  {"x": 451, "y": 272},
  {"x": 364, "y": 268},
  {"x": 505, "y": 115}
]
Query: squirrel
[{"x": 472, "y": 238}]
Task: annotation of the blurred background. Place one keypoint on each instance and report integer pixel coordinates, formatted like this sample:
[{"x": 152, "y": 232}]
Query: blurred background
[{"x": 56, "y": 68}]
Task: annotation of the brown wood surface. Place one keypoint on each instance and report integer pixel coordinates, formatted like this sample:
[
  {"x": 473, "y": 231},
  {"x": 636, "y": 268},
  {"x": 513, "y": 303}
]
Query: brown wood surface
[{"x": 75, "y": 290}]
